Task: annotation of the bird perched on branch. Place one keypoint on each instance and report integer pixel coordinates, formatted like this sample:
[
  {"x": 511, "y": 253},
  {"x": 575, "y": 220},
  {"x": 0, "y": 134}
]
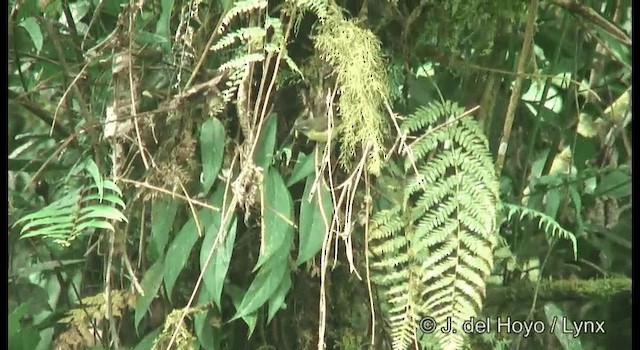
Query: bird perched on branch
[{"x": 316, "y": 129}]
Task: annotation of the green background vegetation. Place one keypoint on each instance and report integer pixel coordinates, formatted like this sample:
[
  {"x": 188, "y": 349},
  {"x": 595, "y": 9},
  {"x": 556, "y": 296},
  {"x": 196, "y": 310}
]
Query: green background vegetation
[{"x": 160, "y": 196}]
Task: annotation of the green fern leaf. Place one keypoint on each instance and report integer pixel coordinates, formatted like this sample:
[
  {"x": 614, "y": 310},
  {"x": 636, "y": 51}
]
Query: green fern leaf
[
  {"x": 241, "y": 7},
  {"x": 551, "y": 227},
  {"x": 433, "y": 254},
  {"x": 89, "y": 207}
]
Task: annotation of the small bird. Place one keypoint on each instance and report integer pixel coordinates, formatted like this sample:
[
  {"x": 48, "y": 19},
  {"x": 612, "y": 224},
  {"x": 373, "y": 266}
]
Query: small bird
[{"x": 316, "y": 129}]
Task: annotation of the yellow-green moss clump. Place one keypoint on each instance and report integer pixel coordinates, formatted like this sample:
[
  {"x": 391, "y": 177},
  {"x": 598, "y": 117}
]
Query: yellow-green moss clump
[{"x": 355, "y": 55}]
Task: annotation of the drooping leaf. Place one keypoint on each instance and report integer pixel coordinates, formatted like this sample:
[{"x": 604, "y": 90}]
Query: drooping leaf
[
  {"x": 553, "y": 198},
  {"x": 162, "y": 26},
  {"x": 555, "y": 319},
  {"x": 150, "y": 283},
  {"x": 163, "y": 213},
  {"x": 147, "y": 342},
  {"x": 216, "y": 270},
  {"x": 211, "y": 150},
  {"x": 236, "y": 294},
  {"x": 178, "y": 253},
  {"x": 277, "y": 299},
  {"x": 304, "y": 166},
  {"x": 208, "y": 336},
  {"x": 616, "y": 184},
  {"x": 277, "y": 218},
  {"x": 263, "y": 287},
  {"x": 93, "y": 170},
  {"x": 266, "y": 142},
  {"x": 33, "y": 29},
  {"x": 315, "y": 218}
]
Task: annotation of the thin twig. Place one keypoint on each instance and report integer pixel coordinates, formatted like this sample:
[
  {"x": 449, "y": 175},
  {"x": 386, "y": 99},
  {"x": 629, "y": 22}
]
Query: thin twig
[
  {"x": 193, "y": 210},
  {"x": 134, "y": 279},
  {"x": 517, "y": 86},
  {"x": 171, "y": 193},
  {"x": 133, "y": 88}
]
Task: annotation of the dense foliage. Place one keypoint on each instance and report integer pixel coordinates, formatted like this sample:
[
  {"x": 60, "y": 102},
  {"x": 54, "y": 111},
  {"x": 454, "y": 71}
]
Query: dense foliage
[{"x": 475, "y": 165}]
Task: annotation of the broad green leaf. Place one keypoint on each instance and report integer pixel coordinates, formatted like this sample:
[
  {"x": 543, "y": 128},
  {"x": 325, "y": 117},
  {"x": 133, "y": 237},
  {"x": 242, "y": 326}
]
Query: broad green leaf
[
  {"x": 147, "y": 342},
  {"x": 236, "y": 293},
  {"x": 315, "y": 218},
  {"x": 211, "y": 151},
  {"x": 266, "y": 142},
  {"x": 162, "y": 26},
  {"x": 27, "y": 338},
  {"x": 178, "y": 253},
  {"x": 163, "y": 213},
  {"x": 147, "y": 38},
  {"x": 33, "y": 29},
  {"x": 277, "y": 218},
  {"x": 150, "y": 283},
  {"x": 619, "y": 109},
  {"x": 553, "y": 198},
  {"x": 615, "y": 47},
  {"x": 112, "y": 8},
  {"x": 78, "y": 10},
  {"x": 217, "y": 269},
  {"x": 15, "y": 316},
  {"x": 577, "y": 204},
  {"x": 557, "y": 320},
  {"x": 43, "y": 266},
  {"x": 616, "y": 184},
  {"x": 208, "y": 335},
  {"x": 277, "y": 299},
  {"x": 304, "y": 166},
  {"x": 263, "y": 287}
]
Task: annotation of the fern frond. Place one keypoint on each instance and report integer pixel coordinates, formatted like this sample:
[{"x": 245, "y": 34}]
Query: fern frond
[
  {"x": 551, "y": 227},
  {"x": 89, "y": 207},
  {"x": 241, "y": 7},
  {"x": 319, "y": 7},
  {"x": 242, "y": 35},
  {"x": 445, "y": 240}
]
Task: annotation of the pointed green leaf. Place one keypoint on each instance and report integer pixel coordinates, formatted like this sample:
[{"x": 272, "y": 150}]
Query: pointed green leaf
[
  {"x": 162, "y": 26},
  {"x": 577, "y": 204},
  {"x": 147, "y": 342},
  {"x": 163, "y": 213},
  {"x": 555, "y": 318},
  {"x": 178, "y": 253},
  {"x": 216, "y": 270},
  {"x": 33, "y": 29},
  {"x": 102, "y": 212},
  {"x": 277, "y": 299},
  {"x": 277, "y": 218},
  {"x": 180, "y": 249},
  {"x": 236, "y": 298},
  {"x": 263, "y": 287},
  {"x": 315, "y": 219},
  {"x": 208, "y": 335},
  {"x": 304, "y": 166},
  {"x": 266, "y": 142},
  {"x": 150, "y": 283},
  {"x": 91, "y": 167},
  {"x": 211, "y": 151},
  {"x": 616, "y": 184}
]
